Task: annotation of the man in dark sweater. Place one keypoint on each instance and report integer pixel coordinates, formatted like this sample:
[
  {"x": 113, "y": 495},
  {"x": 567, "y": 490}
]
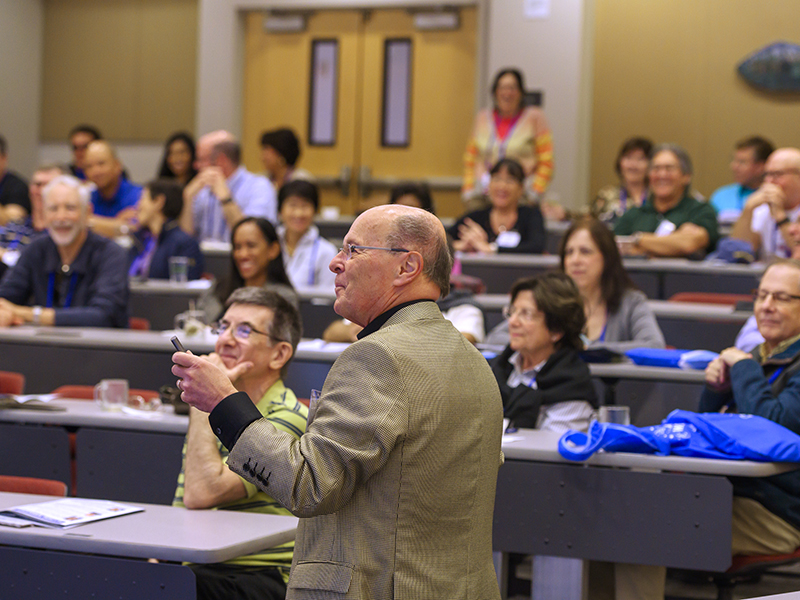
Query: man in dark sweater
[{"x": 71, "y": 276}]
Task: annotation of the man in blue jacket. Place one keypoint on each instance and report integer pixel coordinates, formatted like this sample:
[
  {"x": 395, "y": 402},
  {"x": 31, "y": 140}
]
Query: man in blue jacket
[
  {"x": 70, "y": 277},
  {"x": 766, "y": 382}
]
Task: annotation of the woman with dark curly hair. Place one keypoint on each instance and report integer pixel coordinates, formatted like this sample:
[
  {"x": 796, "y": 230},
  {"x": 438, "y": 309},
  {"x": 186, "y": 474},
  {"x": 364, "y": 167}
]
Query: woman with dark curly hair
[{"x": 543, "y": 381}]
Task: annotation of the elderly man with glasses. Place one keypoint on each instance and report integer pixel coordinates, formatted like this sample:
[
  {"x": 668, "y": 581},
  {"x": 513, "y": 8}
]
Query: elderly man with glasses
[
  {"x": 258, "y": 335},
  {"x": 769, "y": 212},
  {"x": 395, "y": 477},
  {"x": 765, "y": 383}
]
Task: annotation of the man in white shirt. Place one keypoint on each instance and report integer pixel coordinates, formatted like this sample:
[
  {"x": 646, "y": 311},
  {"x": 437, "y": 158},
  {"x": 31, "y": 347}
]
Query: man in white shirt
[{"x": 770, "y": 210}]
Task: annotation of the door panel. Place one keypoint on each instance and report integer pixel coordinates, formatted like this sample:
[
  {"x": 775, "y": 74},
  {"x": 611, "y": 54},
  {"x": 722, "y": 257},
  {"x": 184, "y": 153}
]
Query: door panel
[
  {"x": 443, "y": 73},
  {"x": 277, "y": 86}
]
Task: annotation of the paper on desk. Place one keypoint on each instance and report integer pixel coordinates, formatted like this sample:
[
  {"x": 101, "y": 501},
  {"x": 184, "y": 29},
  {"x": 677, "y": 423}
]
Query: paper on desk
[
  {"x": 198, "y": 284},
  {"x": 69, "y": 512},
  {"x": 22, "y": 398},
  {"x": 142, "y": 414},
  {"x": 16, "y": 522}
]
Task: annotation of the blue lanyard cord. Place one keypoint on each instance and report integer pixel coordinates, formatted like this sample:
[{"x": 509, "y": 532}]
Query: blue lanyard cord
[
  {"x": 312, "y": 263},
  {"x": 775, "y": 375},
  {"x": 602, "y": 337},
  {"x": 51, "y": 287}
]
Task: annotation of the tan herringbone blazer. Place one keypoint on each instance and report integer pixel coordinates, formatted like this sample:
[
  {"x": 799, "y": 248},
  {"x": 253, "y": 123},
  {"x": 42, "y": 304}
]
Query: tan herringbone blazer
[{"x": 395, "y": 476}]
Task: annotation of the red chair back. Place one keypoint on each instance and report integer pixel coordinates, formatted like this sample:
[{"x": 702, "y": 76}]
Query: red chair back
[
  {"x": 32, "y": 485},
  {"x": 139, "y": 323},
  {"x": 711, "y": 298},
  {"x": 11, "y": 382}
]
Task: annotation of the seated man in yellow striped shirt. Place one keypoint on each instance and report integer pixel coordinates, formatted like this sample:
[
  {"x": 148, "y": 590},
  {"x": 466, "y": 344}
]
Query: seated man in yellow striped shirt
[{"x": 258, "y": 336}]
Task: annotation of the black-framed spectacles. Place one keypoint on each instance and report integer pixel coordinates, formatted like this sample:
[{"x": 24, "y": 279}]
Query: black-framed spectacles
[
  {"x": 349, "y": 249},
  {"x": 242, "y": 331},
  {"x": 777, "y": 297}
]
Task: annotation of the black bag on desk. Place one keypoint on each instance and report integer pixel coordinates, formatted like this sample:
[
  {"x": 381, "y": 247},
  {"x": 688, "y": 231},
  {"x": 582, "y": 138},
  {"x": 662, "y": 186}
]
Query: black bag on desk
[{"x": 169, "y": 394}]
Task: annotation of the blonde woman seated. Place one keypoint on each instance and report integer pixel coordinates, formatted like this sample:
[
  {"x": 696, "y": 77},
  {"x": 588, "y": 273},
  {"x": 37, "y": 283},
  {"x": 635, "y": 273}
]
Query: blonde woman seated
[{"x": 543, "y": 381}]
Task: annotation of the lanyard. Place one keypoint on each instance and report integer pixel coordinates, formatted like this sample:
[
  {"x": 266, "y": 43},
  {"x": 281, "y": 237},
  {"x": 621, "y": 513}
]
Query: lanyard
[
  {"x": 51, "y": 287},
  {"x": 312, "y": 262},
  {"x": 602, "y": 337},
  {"x": 775, "y": 375},
  {"x": 141, "y": 264}
]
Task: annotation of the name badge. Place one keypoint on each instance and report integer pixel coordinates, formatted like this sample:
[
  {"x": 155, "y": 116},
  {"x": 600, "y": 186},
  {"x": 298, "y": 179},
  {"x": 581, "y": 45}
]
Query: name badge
[
  {"x": 508, "y": 239},
  {"x": 665, "y": 227}
]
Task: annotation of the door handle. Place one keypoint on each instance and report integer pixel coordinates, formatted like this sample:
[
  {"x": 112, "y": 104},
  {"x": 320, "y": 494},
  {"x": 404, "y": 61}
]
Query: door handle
[
  {"x": 364, "y": 181},
  {"x": 342, "y": 181}
]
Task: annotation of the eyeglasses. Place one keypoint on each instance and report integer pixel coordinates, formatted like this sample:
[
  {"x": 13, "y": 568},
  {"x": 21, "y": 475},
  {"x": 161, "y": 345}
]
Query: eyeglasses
[
  {"x": 778, "y": 297},
  {"x": 526, "y": 315},
  {"x": 350, "y": 249},
  {"x": 779, "y": 174},
  {"x": 665, "y": 168},
  {"x": 242, "y": 331}
]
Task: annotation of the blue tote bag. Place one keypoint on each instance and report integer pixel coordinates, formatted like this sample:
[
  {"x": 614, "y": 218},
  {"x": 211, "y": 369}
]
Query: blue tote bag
[{"x": 685, "y": 433}]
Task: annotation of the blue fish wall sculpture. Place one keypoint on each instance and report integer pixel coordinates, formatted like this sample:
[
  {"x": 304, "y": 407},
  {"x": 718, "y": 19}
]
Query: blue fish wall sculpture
[{"x": 775, "y": 67}]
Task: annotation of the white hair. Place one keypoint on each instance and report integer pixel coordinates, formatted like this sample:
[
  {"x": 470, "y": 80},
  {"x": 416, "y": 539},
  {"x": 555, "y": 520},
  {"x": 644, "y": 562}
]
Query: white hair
[{"x": 70, "y": 182}]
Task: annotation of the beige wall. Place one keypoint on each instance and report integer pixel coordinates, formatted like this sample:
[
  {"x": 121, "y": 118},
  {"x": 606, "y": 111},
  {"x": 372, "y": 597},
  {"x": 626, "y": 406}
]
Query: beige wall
[
  {"x": 125, "y": 67},
  {"x": 551, "y": 54},
  {"x": 666, "y": 69},
  {"x": 20, "y": 80}
]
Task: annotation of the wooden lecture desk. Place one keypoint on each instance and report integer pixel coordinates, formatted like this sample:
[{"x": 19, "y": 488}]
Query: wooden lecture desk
[
  {"x": 107, "y": 558},
  {"x": 658, "y": 278},
  {"x": 127, "y": 456},
  {"x": 617, "y": 507},
  {"x": 54, "y": 356}
]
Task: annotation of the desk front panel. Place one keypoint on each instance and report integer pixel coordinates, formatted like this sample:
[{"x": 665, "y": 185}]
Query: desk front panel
[
  {"x": 45, "y": 575},
  {"x": 160, "y": 308},
  {"x": 31, "y": 450},
  {"x": 614, "y": 515},
  {"x": 722, "y": 282},
  {"x": 129, "y": 466},
  {"x": 47, "y": 366}
]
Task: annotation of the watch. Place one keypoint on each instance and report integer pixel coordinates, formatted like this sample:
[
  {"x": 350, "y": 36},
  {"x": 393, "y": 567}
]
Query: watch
[{"x": 37, "y": 315}]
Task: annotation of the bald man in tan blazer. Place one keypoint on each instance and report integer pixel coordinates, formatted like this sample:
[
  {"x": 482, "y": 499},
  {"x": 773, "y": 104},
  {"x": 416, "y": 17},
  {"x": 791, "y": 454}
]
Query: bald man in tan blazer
[{"x": 395, "y": 476}]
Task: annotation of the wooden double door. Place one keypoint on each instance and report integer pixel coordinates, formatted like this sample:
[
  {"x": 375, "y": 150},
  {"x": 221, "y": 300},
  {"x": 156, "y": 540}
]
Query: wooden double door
[{"x": 356, "y": 167}]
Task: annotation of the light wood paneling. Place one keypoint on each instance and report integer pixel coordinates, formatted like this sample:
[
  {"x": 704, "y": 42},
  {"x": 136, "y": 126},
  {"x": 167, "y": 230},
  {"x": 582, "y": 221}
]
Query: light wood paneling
[
  {"x": 126, "y": 67},
  {"x": 666, "y": 69}
]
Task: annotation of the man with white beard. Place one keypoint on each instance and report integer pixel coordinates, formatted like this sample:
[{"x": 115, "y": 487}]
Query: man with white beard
[{"x": 70, "y": 277}]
